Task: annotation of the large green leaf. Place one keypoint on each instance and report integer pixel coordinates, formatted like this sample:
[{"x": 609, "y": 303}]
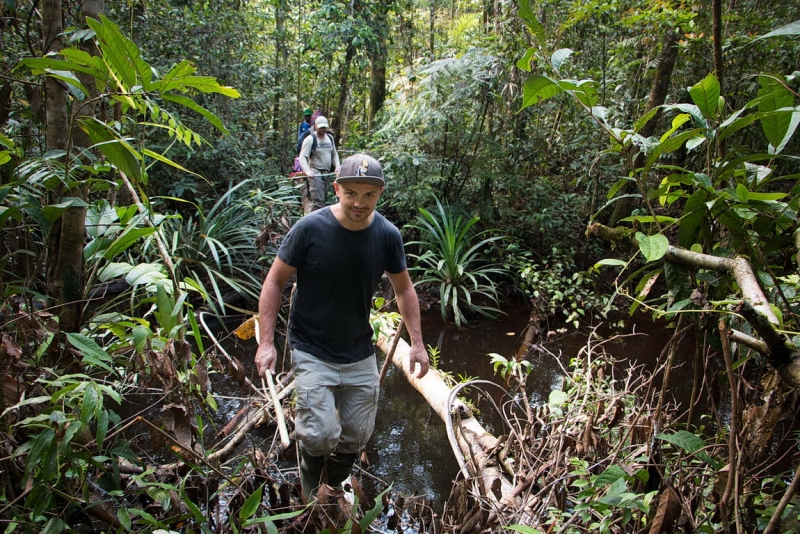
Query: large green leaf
[
  {"x": 124, "y": 241},
  {"x": 652, "y": 247},
  {"x": 194, "y": 106},
  {"x": 524, "y": 62},
  {"x": 207, "y": 84},
  {"x": 121, "y": 154},
  {"x": 559, "y": 57},
  {"x": 537, "y": 89},
  {"x": 53, "y": 211},
  {"x": 93, "y": 354},
  {"x": 793, "y": 28},
  {"x": 670, "y": 145},
  {"x": 584, "y": 90},
  {"x": 705, "y": 94},
  {"x": 780, "y": 125},
  {"x": 531, "y": 21},
  {"x": 121, "y": 54},
  {"x": 693, "y": 215}
]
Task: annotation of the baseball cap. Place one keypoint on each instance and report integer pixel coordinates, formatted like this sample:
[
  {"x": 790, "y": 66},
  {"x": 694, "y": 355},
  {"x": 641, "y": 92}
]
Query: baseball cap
[
  {"x": 307, "y": 112},
  {"x": 361, "y": 168},
  {"x": 321, "y": 122}
]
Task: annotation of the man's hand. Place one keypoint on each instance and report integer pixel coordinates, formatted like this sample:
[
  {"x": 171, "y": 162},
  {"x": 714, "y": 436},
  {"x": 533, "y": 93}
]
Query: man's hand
[
  {"x": 418, "y": 355},
  {"x": 310, "y": 173},
  {"x": 266, "y": 357}
]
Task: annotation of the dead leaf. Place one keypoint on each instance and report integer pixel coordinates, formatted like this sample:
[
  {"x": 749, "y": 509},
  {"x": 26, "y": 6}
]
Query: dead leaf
[
  {"x": 669, "y": 510},
  {"x": 247, "y": 329}
]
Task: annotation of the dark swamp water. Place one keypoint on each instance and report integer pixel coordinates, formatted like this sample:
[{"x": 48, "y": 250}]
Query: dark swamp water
[{"x": 409, "y": 448}]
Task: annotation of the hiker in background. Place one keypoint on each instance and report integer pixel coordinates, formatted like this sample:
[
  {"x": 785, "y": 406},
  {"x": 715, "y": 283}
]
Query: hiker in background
[
  {"x": 306, "y": 124},
  {"x": 339, "y": 255},
  {"x": 318, "y": 158}
]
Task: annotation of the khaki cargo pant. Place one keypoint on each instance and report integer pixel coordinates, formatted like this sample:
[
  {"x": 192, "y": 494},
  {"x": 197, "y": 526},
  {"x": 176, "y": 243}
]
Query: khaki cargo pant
[{"x": 336, "y": 403}]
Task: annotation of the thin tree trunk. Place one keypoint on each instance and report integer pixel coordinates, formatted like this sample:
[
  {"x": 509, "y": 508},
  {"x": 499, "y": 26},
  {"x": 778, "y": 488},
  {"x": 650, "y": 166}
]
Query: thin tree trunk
[
  {"x": 281, "y": 63},
  {"x": 658, "y": 95},
  {"x": 377, "y": 90},
  {"x": 63, "y": 275},
  {"x": 344, "y": 80},
  {"x": 432, "y": 50}
]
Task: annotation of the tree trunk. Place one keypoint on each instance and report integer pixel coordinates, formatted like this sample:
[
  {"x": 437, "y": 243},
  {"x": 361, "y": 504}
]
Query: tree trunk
[
  {"x": 658, "y": 95},
  {"x": 344, "y": 80},
  {"x": 377, "y": 89},
  {"x": 65, "y": 242},
  {"x": 432, "y": 30},
  {"x": 281, "y": 64}
]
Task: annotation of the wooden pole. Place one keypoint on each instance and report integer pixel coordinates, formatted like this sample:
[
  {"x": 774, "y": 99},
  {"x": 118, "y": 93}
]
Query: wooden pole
[{"x": 276, "y": 403}]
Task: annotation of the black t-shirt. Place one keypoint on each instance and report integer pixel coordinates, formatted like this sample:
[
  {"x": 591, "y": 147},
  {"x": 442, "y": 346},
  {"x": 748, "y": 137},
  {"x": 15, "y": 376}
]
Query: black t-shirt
[{"x": 338, "y": 271}]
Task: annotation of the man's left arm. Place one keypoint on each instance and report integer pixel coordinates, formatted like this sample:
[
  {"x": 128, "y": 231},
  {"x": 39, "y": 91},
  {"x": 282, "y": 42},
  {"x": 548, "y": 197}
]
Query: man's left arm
[
  {"x": 409, "y": 308},
  {"x": 335, "y": 157}
]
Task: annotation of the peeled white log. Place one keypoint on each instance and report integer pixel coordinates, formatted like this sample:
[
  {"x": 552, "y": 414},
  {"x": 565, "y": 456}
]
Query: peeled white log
[{"x": 476, "y": 445}]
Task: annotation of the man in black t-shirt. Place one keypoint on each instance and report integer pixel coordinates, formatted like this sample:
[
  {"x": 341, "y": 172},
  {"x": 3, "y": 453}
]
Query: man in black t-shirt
[{"x": 339, "y": 254}]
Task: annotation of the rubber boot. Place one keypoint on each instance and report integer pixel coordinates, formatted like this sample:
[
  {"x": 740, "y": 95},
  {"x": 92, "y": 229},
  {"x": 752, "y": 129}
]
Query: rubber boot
[
  {"x": 310, "y": 473},
  {"x": 339, "y": 466}
]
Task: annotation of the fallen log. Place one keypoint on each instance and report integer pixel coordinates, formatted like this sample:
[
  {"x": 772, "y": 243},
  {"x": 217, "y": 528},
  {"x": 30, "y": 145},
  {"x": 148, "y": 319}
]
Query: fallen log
[{"x": 475, "y": 443}]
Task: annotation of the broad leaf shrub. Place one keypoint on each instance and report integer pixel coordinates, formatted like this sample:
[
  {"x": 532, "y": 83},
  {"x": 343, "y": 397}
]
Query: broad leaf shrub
[{"x": 454, "y": 261}]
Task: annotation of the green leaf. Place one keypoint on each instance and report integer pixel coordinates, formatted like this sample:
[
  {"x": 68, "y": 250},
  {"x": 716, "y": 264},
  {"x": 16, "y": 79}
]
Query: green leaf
[
  {"x": 612, "y": 262},
  {"x": 685, "y": 440},
  {"x": 524, "y": 62},
  {"x": 145, "y": 274},
  {"x": 670, "y": 145},
  {"x": 694, "y": 213},
  {"x": 652, "y": 247},
  {"x": 121, "y": 54},
  {"x": 780, "y": 125},
  {"x": 93, "y": 354},
  {"x": 557, "y": 398},
  {"x": 537, "y": 89},
  {"x": 251, "y": 504},
  {"x": 532, "y": 22},
  {"x": 793, "y": 28},
  {"x": 194, "y": 106},
  {"x": 121, "y": 154},
  {"x": 584, "y": 90},
  {"x": 644, "y": 119},
  {"x": 649, "y": 219},
  {"x": 524, "y": 529},
  {"x": 609, "y": 476},
  {"x": 373, "y": 513},
  {"x": 207, "y": 84},
  {"x": 705, "y": 94},
  {"x": 53, "y": 211},
  {"x": 114, "y": 270},
  {"x": 124, "y": 518},
  {"x": 126, "y": 240},
  {"x": 559, "y": 57},
  {"x": 54, "y": 526},
  {"x": 164, "y": 159}
]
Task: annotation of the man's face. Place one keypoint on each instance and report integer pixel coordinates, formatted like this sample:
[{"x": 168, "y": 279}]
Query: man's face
[{"x": 357, "y": 200}]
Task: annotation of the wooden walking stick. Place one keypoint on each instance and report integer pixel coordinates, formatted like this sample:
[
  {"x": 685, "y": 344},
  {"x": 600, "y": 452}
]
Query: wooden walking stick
[
  {"x": 397, "y": 333},
  {"x": 276, "y": 403}
]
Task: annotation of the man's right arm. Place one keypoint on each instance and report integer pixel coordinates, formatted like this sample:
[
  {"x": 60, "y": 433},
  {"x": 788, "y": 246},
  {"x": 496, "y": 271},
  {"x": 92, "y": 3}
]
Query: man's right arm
[
  {"x": 305, "y": 152},
  {"x": 269, "y": 304}
]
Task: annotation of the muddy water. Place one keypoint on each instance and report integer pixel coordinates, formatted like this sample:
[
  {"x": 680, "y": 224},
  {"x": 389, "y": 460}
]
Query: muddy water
[{"x": 409, "y": 448}]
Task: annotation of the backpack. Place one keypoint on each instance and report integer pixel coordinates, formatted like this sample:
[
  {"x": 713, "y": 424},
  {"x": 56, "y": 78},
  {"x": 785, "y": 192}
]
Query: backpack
[{"x": 313, "y": 141}]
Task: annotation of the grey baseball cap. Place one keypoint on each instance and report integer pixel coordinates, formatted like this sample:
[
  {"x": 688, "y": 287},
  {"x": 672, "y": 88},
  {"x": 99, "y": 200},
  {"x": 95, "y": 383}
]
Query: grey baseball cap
[{"x": 361, "y": 168}]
